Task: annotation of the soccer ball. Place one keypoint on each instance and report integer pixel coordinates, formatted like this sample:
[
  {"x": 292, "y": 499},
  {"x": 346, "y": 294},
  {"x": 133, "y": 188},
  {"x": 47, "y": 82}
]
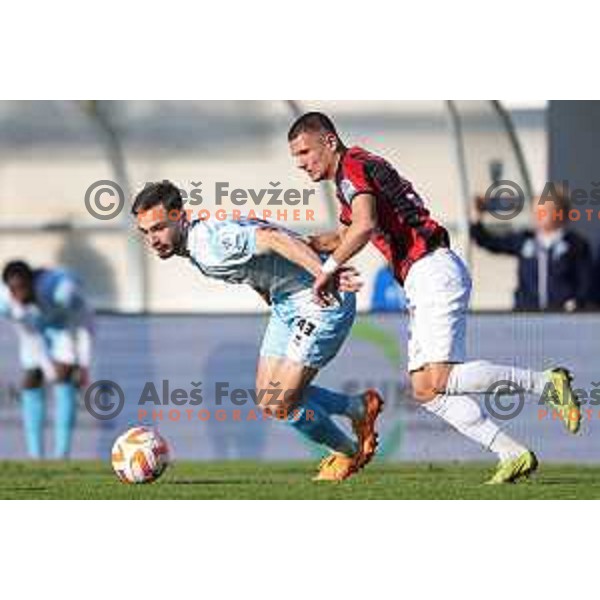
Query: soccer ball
[{"x": 140, "y": 455}]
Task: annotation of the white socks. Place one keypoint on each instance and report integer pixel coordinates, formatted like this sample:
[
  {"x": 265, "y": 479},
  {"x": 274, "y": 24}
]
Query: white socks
[
  {"x": 466, "y": 416},
  {"x": 477, "y": 377},
  {"x": 463, "y": 412},
  {"x": 505, "y": 447}
]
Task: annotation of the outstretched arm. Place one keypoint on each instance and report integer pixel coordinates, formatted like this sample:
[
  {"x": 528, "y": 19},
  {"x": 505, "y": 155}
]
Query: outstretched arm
[
  {"x": 355, "y": 238},
  {"x": 290, "y": 247},
  {"x": 300, "y": 253},
  {"x": 328, "y": 241},
  {"x": 358, "y": 234},
  {"x": 509, "y": 243}
]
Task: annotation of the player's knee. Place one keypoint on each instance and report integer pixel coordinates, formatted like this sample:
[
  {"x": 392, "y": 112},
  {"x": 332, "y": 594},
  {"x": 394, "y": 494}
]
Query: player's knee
[
  {"x": 424, "y": 392},
  {"x": 274, "y": 409},
  {"x": 276, "y": 401},
  {"x": 264, "y": 395},
  {"x": 261, "y": 404},
  {"x": 429, "y": 383},
  {"x": 32, "y": 378}
]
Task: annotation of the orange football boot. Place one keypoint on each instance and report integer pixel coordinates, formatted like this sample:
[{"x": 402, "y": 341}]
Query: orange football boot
[
  {"x": 336, "y": 467},
  {"x": 364, "y": 428}
]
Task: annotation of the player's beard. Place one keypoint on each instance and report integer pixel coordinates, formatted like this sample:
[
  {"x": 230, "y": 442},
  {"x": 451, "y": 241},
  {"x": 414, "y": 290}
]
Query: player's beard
[
  {"x": 180, "y": 240},
  {"x": 165, "y": 251},
  {"x": 168, "y": 253}
]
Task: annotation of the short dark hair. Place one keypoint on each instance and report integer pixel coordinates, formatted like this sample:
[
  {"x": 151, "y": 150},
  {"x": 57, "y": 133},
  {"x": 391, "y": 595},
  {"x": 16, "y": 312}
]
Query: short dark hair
[
  {"x": 159, "y": 192},
  {"x": 17, "y": 268},
  {"x": 312, "y": 121}
]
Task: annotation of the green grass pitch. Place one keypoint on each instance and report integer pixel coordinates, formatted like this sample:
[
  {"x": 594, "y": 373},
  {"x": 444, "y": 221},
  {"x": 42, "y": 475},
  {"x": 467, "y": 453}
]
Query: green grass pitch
[{"x": 291, "y": 480}]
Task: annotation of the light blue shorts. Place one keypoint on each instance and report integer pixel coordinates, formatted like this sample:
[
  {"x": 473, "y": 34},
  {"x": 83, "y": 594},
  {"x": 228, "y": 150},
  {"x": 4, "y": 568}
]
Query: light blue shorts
[{"x": 306, "y": 333}]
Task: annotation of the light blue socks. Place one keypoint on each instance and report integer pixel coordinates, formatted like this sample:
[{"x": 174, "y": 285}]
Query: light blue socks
[
  {"x": 312, "y": 420},
  {"x": 65, "y": 395},
  {"x": 335, "y": 403},
  {"x": 33, "y": 410}
]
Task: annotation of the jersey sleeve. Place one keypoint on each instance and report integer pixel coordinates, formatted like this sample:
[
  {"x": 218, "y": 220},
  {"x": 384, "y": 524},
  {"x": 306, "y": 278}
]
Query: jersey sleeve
[
  {"x": 345, "y": 215},
  {"x": 233, "y": 243},
  {"x": 66, "y": 294},
  {"x": 355, "y": 179}
]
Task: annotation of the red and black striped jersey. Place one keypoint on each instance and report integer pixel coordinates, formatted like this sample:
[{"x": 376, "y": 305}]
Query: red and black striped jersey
[{"x": 405, "y": 230}]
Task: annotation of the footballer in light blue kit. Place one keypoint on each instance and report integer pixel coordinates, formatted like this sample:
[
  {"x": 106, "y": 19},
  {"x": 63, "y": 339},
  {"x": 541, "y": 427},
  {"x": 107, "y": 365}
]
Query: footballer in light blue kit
[
  {"x": 54, "y": 328},
  {"x": 304, "y": 332}
]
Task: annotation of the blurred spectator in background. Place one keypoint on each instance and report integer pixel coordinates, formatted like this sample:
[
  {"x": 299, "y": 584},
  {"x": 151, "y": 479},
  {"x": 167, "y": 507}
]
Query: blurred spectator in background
[
  {"x": 54, "y": 328},
  {"x": 595, "y": 287},
  {"x": 387, "y": 296},
  {"x": 555, "y": 263}
]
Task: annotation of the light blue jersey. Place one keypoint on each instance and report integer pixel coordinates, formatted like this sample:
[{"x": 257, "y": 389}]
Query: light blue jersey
[
  {"x": 59, "y": 302},
  {"x": 58, "y": 326},
  {"x": 226, "y": 250},
  {"x": 299, "y": 328}
]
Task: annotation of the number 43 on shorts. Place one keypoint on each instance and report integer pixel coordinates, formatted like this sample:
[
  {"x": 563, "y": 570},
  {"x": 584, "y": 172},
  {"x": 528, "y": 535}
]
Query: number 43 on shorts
[{"x": 305, "y": 328}]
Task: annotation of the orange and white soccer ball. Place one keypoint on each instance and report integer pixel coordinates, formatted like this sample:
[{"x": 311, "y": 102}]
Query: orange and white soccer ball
[{"x": 140, "y": 455}]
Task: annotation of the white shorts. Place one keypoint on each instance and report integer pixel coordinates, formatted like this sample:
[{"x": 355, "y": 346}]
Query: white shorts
[
  {"x": 438, "y": 288},
  {"x": 35, "y": 347}
]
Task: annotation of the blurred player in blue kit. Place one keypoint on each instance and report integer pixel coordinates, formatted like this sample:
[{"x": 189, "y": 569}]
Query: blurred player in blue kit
[
  {"x": 54, "y": 325},
  {"x": 302, "y": 335}
]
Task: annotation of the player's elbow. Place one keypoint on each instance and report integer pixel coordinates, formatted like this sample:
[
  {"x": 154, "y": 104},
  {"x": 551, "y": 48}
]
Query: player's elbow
[
  {"x": 368, "y": 226},
  {"x": 363, "y": 229}
]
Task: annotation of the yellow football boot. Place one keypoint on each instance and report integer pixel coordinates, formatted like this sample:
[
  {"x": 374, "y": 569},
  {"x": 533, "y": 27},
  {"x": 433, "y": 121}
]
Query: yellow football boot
[
  {"x": 511, "y": 470},
  {"x": 562, "y": 399}
]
